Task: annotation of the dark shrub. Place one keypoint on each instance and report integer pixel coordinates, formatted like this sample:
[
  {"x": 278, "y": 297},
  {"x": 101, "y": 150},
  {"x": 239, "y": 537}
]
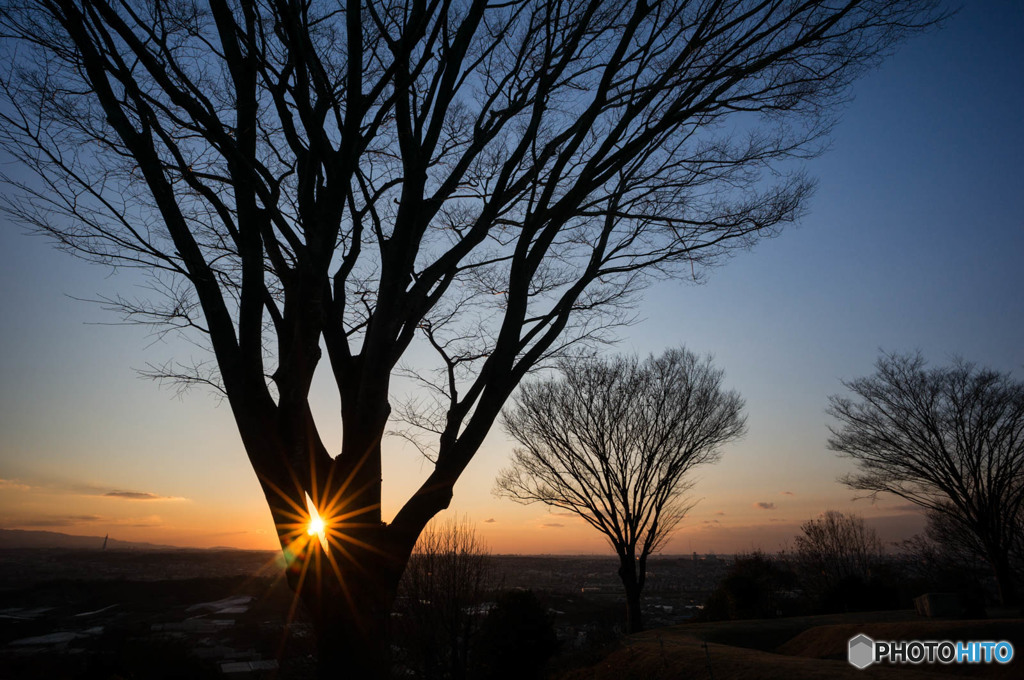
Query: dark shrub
[
  {"x": 757, "y": 586},
  {"x": 516, "y": 639}
]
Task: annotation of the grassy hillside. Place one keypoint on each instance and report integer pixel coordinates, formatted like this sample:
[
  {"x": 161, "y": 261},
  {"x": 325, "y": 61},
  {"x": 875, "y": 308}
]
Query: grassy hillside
[{"x": 799, "y": 648}]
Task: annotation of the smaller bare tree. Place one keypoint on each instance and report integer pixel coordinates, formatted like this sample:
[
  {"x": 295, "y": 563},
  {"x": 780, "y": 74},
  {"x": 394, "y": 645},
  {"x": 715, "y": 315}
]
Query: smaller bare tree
[
  {"x": 613, "y": 441},
  {"x": 449, "y": 577},
  {"x": 836, "y": 548},
  {"x": 949, "y": 439}
]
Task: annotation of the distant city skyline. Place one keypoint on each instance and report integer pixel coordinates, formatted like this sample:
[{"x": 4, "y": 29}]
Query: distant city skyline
[{"x": 913, "y": 241}]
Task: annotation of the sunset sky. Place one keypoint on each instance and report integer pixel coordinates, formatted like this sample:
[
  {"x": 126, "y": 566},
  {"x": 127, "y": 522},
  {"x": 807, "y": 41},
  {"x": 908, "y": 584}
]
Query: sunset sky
[{"x": 914, "y": 240}]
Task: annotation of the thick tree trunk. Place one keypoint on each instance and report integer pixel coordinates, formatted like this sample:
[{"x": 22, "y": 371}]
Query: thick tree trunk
[
  {"x": 348, "y": 590},
  {"x": 633, "y": 585},
  {"x": 346, "y": 651},
  {"x": 634, "y": 614},
  {"x": 352, "y": 629},
  {"x": 349, "y": 595}
]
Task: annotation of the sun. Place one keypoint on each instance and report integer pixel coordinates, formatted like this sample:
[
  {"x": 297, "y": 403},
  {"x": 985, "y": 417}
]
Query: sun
[{"x": 317, "y": 526}]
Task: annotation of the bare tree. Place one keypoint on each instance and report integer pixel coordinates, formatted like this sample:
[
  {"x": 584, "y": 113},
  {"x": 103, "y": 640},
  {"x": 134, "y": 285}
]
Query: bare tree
[
  {"x": 443, "y": 590},
  {"x": 834, "y": 548},
  {"x": 491, "y": 181},
  {"x": 947, "y": 557},
  {"x": 948, "y": 439},
  {"x": 614, "y": 442},
  {"x": 946, "y": 546}
]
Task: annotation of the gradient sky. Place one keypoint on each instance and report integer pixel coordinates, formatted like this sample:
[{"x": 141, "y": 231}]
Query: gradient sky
[{"x": 913, "y": 241}]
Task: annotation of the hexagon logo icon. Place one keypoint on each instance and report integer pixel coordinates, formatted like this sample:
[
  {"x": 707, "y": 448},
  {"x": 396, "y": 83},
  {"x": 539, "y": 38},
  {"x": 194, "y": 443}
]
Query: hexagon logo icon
[{"x": 862, "y": 651}]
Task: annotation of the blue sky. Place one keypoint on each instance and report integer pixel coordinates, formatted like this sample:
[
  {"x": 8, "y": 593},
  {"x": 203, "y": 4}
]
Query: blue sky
[{"x": 913, "y": 241}]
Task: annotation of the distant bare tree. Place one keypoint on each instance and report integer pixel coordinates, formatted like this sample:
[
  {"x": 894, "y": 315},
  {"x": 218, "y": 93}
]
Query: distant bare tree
[
  {"x": 836, "y": 547},
  {"x": 477, "y": 184},
  {"x": 950, "y": 440},
  {"x": 449, "y": 577},
  {"x": 614, "y": 441}
]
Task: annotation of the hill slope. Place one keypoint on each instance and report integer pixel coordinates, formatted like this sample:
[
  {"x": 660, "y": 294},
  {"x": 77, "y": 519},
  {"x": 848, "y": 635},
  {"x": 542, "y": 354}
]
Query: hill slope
[
  {"x": 19, "y": 539},
  {"x": 800, "y": 648}
]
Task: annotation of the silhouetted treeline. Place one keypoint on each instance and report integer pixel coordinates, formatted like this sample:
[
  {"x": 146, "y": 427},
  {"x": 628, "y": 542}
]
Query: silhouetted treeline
[
  {"x": 838, "y": 565},
  {"x": 766, "y": 586}
]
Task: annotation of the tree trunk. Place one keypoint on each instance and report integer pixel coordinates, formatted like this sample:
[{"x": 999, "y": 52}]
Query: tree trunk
[
  {"x": 634, "y": 615},
  {"x": 349, "y": 590},
  {"x": 350, "y": 614},
  {"x": 632, "y": 583},
  {"x": 347, "y": 651},
  {"x": 352, "y": 640}
]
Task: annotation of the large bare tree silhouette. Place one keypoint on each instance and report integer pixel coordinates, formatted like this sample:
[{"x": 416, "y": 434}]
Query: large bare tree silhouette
[{"x": 491, "y": 179}]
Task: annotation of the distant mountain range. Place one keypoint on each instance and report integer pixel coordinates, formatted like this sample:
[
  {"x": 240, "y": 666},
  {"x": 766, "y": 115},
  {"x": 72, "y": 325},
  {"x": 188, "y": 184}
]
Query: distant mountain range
[{"x": 18, "y": 539}]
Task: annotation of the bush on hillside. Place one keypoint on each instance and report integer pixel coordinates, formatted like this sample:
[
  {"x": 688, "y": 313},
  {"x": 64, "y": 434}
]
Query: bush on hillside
[
  {"x": 757, "y": 586},
  {"x": 516, "y": 639}
]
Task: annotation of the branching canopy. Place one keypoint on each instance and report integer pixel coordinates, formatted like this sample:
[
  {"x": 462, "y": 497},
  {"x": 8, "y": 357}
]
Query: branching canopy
[
  {"x": 837, "y": 546},
  {"x": 614, "y": 441},
  {"x": 492, "y": 179},
  {"x": 949, "y": 439},
  {"x": 935, "y": 436}
]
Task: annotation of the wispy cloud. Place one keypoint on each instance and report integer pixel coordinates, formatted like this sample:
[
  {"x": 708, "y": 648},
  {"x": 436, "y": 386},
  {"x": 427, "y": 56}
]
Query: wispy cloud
[
  {"x": 63, "y": 487},
  {"x": 144, "y": 522},
  {"x": 61, "y": 521},
  {"x": 141, "y": 496},
  {"x": 490, "y": 521},
  {"x": 902, "y": 507},
  {"x": 53, "y": 521},
  {"x": 764, "y": 505},
  {"x": 788, "y": 493},
  {"x": 720, "y": 513},
  {"x": 553, "y": 525},
  {"x": 13, "y": 485}
]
